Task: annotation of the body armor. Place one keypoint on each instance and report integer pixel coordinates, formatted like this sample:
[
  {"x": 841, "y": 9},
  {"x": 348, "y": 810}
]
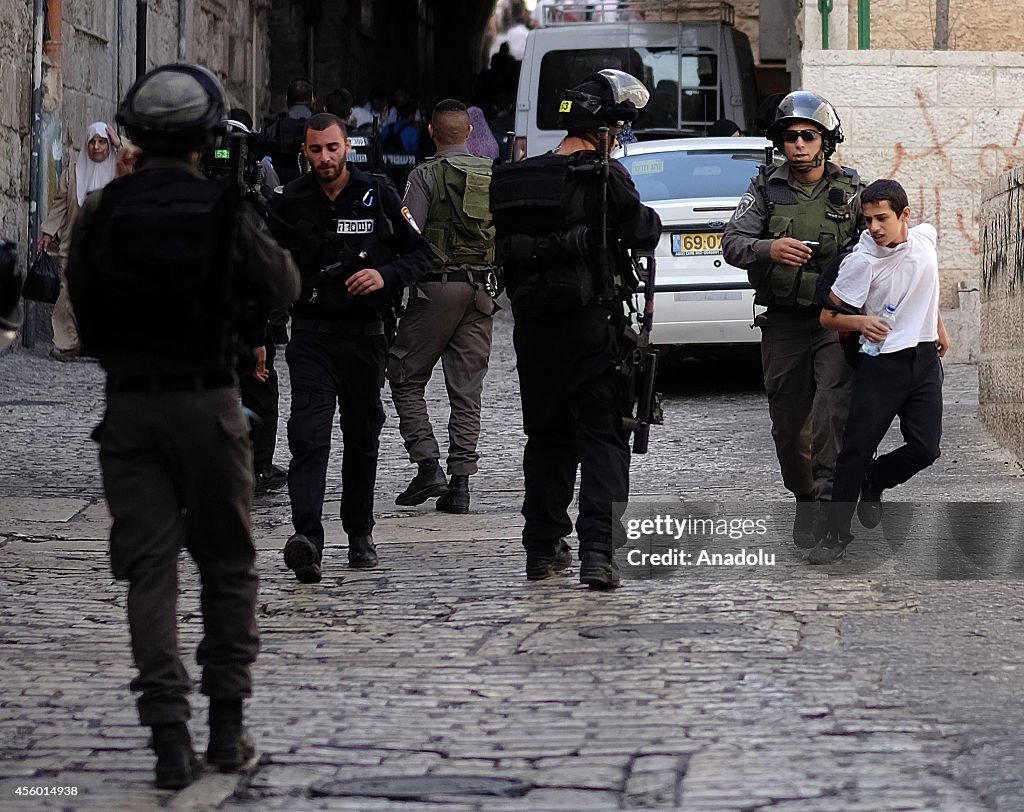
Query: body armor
[
  {"x": 164, "y": 290},
  {"x": 827, "y": 219},
  {"x": 459, "y": 219}
]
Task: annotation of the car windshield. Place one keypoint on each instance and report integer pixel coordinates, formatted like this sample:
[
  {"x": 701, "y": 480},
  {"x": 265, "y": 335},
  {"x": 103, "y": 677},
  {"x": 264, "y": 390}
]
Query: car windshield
[{"x": 685, "y": 174}]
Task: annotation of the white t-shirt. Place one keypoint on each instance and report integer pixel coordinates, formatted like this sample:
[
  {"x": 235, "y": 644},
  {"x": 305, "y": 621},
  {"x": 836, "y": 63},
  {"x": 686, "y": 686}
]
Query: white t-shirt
[{"x": 907, "y": 276}]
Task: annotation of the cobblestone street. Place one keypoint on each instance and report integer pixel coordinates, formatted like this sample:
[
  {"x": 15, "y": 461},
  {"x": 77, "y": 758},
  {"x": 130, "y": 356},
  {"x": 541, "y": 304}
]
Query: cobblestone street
[{"x": 801, "y": 690}]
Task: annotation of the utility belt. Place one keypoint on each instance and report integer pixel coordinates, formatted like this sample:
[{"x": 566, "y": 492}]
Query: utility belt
[
  {"x": 477, "y": 276},
  {"x": 171, "y": 382},
  {"x": 339, "y": 328}
]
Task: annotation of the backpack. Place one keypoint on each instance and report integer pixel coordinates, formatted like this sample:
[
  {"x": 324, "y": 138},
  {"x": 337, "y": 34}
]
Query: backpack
[
  {"x": 459, "y": 224},
  {"x": 392, "y": 142},
  {"x": 283, "y": 141}
]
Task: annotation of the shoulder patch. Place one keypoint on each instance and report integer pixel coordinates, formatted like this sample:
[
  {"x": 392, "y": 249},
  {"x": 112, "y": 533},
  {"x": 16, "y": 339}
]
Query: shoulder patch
[
  {"x": 411, "y": 220},
  {"x": 746, "y": 204}
]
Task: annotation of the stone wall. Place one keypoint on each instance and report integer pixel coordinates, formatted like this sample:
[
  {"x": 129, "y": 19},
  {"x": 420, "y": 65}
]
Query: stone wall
[
  {"x": 974, "y": 25},
  {"x": 1001, "y": 365},
  {"x": 942, "y": 123}
]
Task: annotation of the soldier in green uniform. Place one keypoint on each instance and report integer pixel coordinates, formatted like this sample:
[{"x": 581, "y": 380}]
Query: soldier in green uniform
[{"x": 793, "y": 220}]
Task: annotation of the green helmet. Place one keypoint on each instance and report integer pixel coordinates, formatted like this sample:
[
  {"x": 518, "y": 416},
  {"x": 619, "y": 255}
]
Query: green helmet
[{"x": 173, "y": 107}]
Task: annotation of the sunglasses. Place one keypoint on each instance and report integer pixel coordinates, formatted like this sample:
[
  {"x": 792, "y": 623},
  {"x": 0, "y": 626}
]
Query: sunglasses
[{"x": 790, "y": 136}]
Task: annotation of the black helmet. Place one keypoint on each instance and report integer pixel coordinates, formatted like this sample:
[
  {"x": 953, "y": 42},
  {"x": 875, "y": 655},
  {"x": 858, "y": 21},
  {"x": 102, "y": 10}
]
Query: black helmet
[
  {"x": 802, "y": 105},
  {"x": 608, "y": 98},
  {"x": 173, "y": 107}
]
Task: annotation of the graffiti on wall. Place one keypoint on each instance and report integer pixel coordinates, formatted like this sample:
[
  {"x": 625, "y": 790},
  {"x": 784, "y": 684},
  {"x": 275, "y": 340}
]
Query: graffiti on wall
[{"x": 992, "y": 160}]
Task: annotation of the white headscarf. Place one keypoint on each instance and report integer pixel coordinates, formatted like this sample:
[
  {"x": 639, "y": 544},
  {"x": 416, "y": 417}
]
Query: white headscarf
[{"x": 89, "y": 175}]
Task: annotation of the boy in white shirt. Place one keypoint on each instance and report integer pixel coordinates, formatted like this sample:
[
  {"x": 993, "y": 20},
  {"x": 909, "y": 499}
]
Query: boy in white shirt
[{"x": 891, "y": 264}]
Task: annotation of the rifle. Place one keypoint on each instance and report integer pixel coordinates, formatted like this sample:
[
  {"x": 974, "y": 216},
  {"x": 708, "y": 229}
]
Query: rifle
[{"x": 648, "y": 407}]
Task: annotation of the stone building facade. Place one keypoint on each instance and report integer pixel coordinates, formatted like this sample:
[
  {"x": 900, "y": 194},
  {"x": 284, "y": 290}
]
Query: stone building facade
[{"x": 1001, "y": 362}]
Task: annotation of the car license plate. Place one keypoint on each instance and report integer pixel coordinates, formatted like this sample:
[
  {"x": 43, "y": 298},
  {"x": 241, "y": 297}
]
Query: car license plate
[{"x": 701, "y": 244}]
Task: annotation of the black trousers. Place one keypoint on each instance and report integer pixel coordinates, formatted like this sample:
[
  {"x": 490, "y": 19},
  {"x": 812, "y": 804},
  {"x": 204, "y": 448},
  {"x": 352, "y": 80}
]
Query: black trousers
[
  {"x": 573, "y": 405},
  {"x": 177, "y": 472},
  {"x": 905, "y": 384},
  {"x": 261, "y": 397},
  {"x": 331, "y": 372}
]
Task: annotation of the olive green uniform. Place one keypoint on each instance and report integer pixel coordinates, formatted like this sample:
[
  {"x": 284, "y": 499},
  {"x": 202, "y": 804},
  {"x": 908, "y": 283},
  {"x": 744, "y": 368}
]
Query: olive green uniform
[{"x": 806, "y": 376}]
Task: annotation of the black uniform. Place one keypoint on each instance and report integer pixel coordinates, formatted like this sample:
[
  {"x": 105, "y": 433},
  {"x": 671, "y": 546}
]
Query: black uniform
[
  {"x": 568, "y": 327},
  {"x": 337, "y": 353},
  {"x": 147, "y": 278}
]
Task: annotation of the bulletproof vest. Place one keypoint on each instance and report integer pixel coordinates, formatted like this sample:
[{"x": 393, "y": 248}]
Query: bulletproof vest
[
  {"x": 459, "y": 218},
  {"x": 327, "y": 256},
  {"x": 542, "y": 221},
  {"x": 289, "y": 135},
  {"x": 159, "y": 250},
  {"x": 827, "y": 220}
]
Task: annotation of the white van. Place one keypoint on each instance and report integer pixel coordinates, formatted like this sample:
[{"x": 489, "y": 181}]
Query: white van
[{"x": 696, "y": 71}]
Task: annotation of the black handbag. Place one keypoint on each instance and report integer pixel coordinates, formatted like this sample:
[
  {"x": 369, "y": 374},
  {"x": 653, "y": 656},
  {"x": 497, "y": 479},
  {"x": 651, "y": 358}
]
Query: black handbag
[{"x": 42, "y": 284}]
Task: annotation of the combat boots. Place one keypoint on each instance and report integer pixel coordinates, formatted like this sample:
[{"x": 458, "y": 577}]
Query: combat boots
[
  {"x": 430, "y": 481},
  {"x": 231, "y": 746},
  {"x": 456, "y": 498},
  {"x": 598, "y": 570},
  {"x": 548, "y": 563},
  {"x": 362, "y": 553},
  {"x": 176, "y": 762}
]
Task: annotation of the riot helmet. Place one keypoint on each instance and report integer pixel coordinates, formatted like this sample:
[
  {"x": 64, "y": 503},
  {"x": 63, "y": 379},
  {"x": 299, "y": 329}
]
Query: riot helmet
[
  {"x": 173, "y": 108},
  {"x": 609, "y": 98},
  {"x": 802, "y": 105}
]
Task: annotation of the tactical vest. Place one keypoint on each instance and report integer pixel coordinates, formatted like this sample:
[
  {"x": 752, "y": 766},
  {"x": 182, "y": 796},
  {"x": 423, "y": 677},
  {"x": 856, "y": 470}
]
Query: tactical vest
[
  {"x": 459, "y": 218},
  {"x": 547, "y": 215},
  {"x": 827, "y": 219},
  {"x": 358, "y": 239},
  {"x": 158, "y": 247}
]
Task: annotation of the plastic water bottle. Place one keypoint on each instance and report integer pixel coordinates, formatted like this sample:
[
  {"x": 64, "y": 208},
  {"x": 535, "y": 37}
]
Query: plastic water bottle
[{"x": 875, "y": 347}]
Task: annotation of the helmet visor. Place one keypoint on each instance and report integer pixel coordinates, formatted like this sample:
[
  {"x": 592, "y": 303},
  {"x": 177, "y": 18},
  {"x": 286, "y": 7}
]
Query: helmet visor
[{"x": 626, "y": 88}]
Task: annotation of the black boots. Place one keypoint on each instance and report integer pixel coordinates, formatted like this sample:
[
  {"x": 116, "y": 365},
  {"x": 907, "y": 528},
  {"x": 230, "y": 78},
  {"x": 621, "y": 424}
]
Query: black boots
[
  {"x": 303, "y": 558},
  {"x": 430, "y": 481},
  {"x": 456, "y": 498},
  {"x": 231, "y": 747},
  {"x": 830, "y": 548},
  {"x": 547, "y": 563},
  {"x": 598, "y": 570},
  {"x": 869, "y": 508},
  {"x": 362, "y": 553},
  {"x": 176, "y": 762},
  {"x": 804, "y": 535}
]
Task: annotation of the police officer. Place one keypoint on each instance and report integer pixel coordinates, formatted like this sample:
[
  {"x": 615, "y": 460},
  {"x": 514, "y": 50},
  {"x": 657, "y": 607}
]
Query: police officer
[
  {"x": 282, "y": 137},
  {"x": 162, "y": 264},
  {"x": 567, "y": 301},
  {"x": 355, "y": 246},
  {"x": 791, "y": 222},
  {"x": 449, "y": 313}
]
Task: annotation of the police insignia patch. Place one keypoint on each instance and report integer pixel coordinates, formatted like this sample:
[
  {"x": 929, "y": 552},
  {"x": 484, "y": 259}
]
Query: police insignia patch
[
  {"x": 745, "y": 204},
  {"x": 412, "y": 221}
]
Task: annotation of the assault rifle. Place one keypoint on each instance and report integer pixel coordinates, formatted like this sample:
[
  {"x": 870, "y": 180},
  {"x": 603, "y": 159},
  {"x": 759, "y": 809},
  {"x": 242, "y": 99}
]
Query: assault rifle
[{"x": 645, "y": 360}]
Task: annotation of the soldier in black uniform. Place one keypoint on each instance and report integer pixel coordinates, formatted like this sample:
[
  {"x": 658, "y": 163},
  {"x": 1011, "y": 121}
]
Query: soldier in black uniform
[
  {"x": 162, "y": 267},
  {"x": 356, "y": 247},
  {"x": 568, "y": 311}
]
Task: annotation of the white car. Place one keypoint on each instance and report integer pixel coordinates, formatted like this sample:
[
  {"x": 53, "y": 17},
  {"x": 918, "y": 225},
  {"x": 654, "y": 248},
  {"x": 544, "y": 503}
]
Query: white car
[{"x": 701, "y": 304}]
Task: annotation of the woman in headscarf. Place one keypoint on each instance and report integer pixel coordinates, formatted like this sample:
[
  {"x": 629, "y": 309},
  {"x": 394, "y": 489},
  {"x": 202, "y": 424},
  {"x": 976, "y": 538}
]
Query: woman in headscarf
[
  {"x": 93, "y": 169},
  {"x": 481, "y": 141}
]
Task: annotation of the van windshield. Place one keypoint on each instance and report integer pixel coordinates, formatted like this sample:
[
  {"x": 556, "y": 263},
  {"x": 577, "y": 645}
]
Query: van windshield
[{"x": 683, "y": 84}]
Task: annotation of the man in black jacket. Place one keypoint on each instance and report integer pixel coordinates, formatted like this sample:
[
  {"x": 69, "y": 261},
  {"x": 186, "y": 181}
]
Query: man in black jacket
[
  {"x": 357, "y": 248},
  {"x": 164, "y": 265},
  {"x": 568, "y": 306}
]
